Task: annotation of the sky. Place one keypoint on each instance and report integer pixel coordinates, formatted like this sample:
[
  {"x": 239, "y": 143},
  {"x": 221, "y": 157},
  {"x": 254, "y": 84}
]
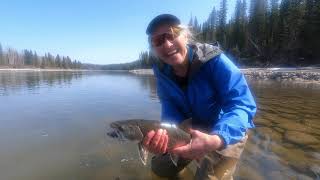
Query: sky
[{"x": 92, "y": 31}]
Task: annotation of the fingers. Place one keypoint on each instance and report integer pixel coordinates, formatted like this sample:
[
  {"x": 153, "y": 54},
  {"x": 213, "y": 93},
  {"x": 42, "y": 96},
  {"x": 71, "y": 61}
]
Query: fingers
[
  {"x": 193, "y": 132},
  {"x": 164, "y": 144},
  {"x": 156, "y": 142},
  {"x": 147, "y": 139},
  {"x": 183, "y": 151}
]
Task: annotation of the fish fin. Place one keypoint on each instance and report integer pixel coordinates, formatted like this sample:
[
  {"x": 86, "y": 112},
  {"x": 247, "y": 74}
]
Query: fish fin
[
  {"x": 143, "y": 153},
  {"x": 199, "y": 161},
  {"x": 174, "y": 158}
]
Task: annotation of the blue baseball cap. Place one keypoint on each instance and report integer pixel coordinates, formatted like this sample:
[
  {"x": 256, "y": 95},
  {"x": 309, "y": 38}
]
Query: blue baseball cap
[{"x": 162, "y": 19}]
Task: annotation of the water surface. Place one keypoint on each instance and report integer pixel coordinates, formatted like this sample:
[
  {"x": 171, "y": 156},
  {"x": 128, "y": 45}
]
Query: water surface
[{"x": 53, "y": 127}]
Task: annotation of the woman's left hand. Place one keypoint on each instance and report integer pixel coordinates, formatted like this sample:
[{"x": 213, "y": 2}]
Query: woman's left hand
[{"x": 200, "y": 145}]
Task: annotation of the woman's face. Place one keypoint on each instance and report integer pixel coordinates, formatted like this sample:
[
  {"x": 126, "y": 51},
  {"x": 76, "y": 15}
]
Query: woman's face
[{"x": 170, "y": 49}]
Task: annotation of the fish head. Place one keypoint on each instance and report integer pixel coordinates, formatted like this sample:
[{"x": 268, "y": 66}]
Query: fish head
[{"x": 125, "y": 130}]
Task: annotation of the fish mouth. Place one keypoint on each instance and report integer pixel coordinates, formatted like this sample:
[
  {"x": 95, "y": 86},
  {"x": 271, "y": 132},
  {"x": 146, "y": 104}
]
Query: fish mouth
[{"x": 115, "y": 134}]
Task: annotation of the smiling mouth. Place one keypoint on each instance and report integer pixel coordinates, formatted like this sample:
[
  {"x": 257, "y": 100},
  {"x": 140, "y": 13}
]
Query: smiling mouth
[{"x": 171, "y": 53}]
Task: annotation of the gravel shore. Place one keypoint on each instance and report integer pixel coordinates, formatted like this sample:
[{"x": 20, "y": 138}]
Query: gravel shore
[
  {"x": 38, "y": 69},
  {"x": 291, "y": 74}
]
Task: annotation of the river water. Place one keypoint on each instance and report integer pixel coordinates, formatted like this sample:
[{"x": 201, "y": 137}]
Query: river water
[{"x": 53, "y": 126}]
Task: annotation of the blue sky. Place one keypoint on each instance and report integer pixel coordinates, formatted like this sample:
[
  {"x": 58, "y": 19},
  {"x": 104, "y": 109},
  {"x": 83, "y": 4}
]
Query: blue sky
[{"x": 95, "y": 31}]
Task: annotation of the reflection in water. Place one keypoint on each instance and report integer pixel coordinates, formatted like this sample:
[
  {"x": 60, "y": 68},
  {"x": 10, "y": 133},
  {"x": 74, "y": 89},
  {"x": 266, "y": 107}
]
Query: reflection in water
[
  {"x": 149, "y": 82},
  {"x": 11, "y": 81},
  {"x": 53, "y": 126}
]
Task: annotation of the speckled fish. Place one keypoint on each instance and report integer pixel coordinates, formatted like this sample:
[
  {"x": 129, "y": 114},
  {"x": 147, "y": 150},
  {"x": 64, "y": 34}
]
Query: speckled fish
[{"x": 136, "y": 129}]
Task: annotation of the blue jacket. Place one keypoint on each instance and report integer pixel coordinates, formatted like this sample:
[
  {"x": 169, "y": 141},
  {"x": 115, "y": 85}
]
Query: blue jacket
[{"x": 217, "y": 96}]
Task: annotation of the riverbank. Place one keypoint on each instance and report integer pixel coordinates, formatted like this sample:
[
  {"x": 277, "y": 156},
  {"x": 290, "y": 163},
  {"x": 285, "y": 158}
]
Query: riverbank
[
  {"x": 304, "y": 74},
  {"x": 307, "y": 74},
  {"x": 38, "y": 69}
]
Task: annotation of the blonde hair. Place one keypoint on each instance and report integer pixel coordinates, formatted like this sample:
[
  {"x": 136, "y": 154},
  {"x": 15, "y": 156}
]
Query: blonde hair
[{"x": 188, "y": 33}]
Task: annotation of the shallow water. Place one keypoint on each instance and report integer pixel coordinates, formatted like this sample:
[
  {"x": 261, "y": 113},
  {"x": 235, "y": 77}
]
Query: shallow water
[{"x": 53, "y": 127}]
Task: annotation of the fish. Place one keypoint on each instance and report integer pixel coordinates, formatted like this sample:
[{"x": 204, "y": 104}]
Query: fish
[{"x": 135, "y": 130}]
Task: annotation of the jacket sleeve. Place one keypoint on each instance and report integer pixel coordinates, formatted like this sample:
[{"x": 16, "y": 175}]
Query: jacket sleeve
[{"x": 237, "y": 103}]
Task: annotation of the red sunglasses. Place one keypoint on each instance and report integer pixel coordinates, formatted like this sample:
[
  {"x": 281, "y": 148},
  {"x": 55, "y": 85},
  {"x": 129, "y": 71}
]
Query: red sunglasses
[{"x": 158, "y": 40}]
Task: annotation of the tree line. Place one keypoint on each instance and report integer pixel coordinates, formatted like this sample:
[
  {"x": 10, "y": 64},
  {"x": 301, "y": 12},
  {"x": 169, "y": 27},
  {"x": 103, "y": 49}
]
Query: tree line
[
  {"x": 274, "y": 32},
  {"x": 145, "y": 61},
  {"x": 11, "y": 58},
  {"x": 268, "y": 33}
]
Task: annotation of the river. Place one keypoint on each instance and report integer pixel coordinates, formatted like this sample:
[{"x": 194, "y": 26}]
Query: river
[{"x": 53, "y": 126}]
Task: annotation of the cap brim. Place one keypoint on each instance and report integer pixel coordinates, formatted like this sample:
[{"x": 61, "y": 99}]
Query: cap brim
[{"x": 162, "y": 19}]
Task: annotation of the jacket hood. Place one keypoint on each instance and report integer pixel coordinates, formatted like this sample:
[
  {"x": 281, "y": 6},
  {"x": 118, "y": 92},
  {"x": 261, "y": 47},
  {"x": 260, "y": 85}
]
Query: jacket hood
[
  {"x": 200, "y": 54},
  {"x": 205, "y": 52}
]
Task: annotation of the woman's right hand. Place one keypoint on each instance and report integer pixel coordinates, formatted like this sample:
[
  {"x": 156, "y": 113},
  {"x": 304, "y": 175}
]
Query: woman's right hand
[{"x": 156, "y": 142}]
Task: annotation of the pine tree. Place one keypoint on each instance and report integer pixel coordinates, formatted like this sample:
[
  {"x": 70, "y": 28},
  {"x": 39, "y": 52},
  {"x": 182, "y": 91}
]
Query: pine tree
[
  {"x": 190, "y": 24},
  {"x": 310, "y": 33},
  {"x": 196, "y": 25},
  {"x": 27, "y": 57},
  {"x": 210, "y": 27},
  {"x": 273, "y": 23},
  {"x": 1, "y": 56},
  {"x": 221, "y": 29},
  {"x": 58, "y": 61},
  {"x": 238, "y": 29},
  {"x": 257, "y": 36},
  {"x": 35, "y": 60}
]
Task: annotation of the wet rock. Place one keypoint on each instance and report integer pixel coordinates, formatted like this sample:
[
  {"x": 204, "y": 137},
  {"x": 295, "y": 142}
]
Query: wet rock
[
  {"x": 278, "y": 175},
  {"x": 268, "y": 133},
  {"x": 288, "y": 145},
  {"x": 288, "y": 115},
  {"x": 276, "y": 75},
  {"x": 295, "y": 158},
  {"x": 262, "y": 122},
  {"x": 291, "y": 155},
  {"x": 315, "y": 132},
  {"x": 315, "y": 155},
  {"x": 248, "y": 173},
  {"x": 303, "y": 177},
  {"x": 316, "y": 170},
  {"x": 300, "y": 138},
  {"x": 313, "y": 123},
  {"x": 288, "y": 111},
  {"x": 280, "y": 130},
  {"x": 293, "y": 126},
  {"x": 252, "y": 148},
  {"x": 315, "y": 146}
]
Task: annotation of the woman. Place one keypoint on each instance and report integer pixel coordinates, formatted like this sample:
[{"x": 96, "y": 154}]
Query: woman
[{"x": 198, "y": 81}]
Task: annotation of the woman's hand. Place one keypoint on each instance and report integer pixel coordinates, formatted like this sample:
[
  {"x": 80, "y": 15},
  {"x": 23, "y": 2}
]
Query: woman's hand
[
  {"x": 200, "y": 145},
  {"x": 156, "y": 142}
]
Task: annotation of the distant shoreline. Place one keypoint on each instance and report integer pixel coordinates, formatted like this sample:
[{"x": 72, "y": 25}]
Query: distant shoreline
[
  {"x": 302, "y": 74},
  {"x": 38, "y": 69}
]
